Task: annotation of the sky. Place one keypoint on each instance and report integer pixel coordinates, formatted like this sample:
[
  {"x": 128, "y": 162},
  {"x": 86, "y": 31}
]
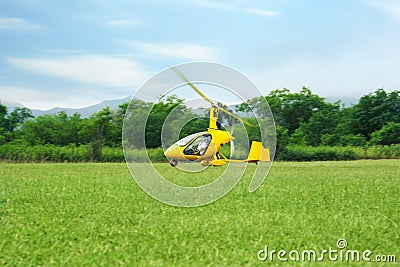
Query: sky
[{"x": 78, "y": 53}]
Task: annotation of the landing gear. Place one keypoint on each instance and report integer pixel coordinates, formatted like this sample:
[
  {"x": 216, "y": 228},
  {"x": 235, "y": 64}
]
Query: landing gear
[
  {"x": 174, "y": 162},
  {"x": 206, "y": 162}
]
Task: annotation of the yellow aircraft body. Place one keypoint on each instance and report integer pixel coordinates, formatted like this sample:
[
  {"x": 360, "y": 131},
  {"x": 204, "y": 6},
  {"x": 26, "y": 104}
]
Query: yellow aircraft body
[{"x": 205, "y": 146}]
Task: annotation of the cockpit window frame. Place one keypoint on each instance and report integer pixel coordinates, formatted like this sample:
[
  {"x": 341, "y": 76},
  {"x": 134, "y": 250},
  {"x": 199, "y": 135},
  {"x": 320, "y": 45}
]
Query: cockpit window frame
[
  {"x": 188, "y": 145},
  {"x": 186, "y": 140}
]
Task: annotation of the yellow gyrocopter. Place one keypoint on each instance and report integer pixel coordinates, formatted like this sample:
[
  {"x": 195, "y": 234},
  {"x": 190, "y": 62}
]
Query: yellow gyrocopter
[{"x": 205, "y": 146}]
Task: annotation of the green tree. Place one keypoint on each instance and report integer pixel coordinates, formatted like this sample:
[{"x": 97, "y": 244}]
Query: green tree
[
  {"x": 387, "y": 135},
  {"x": 11, "y": 123},
  {"x": 58, "y": 129},
  {"x": 135, "y": 121},
  {"x": 194, "y": 126},
  {"x": 322, "y": 121},
  {"x": 343, "y": 135},
  {"x": 157, "y": 116},
  {"x": 119, "y": 115},
  {"x": 16, "y": 118},
  {"x": 224, "y": 118},
  {"x": 3, "y": 113},
  {"x": 94, "y": 130},
  {"x": 374, "y": 110},
  {"x": 289, "y": 109},
  {"x": 292, "y": 109},
  {"x": 15, "y": 121}
]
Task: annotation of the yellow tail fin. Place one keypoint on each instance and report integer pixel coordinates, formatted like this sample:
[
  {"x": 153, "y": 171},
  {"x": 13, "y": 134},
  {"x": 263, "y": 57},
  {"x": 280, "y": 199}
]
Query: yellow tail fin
[{"x": 258, "y": 153}]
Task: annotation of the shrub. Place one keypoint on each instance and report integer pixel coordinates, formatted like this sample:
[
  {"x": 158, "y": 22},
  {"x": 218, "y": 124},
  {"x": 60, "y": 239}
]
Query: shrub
[
  {"x": 309, "y": 153},
  {"x": 387, "y": 135},
  {"x": 383, "y": 152},
  {"x": 19, "y": 152}
]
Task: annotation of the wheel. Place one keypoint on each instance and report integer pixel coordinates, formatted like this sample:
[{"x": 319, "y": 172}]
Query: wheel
[
  {"x": 174, "y": 162},
  {"x": 205, "y": 163}
]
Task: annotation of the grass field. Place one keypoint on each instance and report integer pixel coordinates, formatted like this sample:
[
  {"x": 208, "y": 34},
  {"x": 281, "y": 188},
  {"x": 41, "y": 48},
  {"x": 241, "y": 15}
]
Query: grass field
[{"x": 96, "y": 215}]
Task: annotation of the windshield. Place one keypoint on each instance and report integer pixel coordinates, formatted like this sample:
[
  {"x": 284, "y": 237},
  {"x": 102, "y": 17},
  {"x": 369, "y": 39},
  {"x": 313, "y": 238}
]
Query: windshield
[
  {"x": 199, "y": 145},
  {"x": 187, "y": 139}
]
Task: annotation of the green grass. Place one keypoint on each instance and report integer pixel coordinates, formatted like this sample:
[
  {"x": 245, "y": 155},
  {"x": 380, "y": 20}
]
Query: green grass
[{"x": 96, "y": 215}]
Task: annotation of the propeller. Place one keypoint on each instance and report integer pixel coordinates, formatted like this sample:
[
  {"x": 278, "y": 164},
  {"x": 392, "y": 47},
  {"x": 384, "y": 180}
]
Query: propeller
[
  {"x": 232, "y": 143},
  {"x": 207, "y": 99}
]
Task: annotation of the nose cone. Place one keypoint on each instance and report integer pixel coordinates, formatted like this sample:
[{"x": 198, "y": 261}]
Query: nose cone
[{"x": 173, "y": 152}]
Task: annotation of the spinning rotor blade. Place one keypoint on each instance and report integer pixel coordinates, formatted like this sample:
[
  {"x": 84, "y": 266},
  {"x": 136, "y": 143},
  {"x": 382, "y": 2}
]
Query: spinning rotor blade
[
  {"x": 235, "y": 116},
  {"x": 207, "y": 99},
  {"x": 194, "y": 87},
  {"x": 232, "y": 143}
]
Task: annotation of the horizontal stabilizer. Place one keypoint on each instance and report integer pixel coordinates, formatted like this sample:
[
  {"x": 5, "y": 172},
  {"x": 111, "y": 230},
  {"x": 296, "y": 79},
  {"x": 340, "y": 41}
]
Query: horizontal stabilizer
[{"x": 265, "y": 155}]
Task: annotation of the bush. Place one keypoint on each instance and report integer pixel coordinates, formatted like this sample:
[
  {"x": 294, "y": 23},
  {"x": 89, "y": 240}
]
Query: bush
[
  {"x": 383, "y": 152},
  {"x": 112, "y": 154},
  {"x": 19, "y": 152},
  {"x": 323, "y": 153},
  {"x": 156, "y": 155},
  {"x": 309, "y": 153},
  {"x": 13, "y": 152},
  {"x": 343, "y": 140},
  {"x": 387, "y": 135}
]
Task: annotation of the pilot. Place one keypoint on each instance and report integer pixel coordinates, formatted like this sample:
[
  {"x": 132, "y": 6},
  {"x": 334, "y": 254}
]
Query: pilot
[{"x": 201, "y": 148}]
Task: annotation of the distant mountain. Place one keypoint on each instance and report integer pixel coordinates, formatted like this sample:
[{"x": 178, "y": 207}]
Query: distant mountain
[
  {"x": 12, "y": 105},
  {"x": 85, "y": 112},
  {"x": 113, "y": 104}
]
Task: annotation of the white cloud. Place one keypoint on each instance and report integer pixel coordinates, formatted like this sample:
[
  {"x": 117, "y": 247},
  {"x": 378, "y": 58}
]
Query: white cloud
[
  {"x": 18, "y": 24},
  {"x": 335, "y": 77},
  {"x": 29, "y": 97},
  {"x": 180, "y": 50},
  {"x": 46, "y": 98},
  {"x": 391, "y": 7},
  {"x": 92, "y": 69},
  {"x": 121, "y": 23},
  {"x": 262, "y": 12}
]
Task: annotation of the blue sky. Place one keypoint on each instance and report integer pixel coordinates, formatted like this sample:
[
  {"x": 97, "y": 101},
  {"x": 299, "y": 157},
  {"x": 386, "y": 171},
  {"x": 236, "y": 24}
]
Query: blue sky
[{"x": 78, "y": 53}]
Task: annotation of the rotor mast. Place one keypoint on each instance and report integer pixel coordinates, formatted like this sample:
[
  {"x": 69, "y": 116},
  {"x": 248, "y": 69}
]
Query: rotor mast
[
  {"x": 213, "y": 118},
  {"x": 214, "y": 110}
]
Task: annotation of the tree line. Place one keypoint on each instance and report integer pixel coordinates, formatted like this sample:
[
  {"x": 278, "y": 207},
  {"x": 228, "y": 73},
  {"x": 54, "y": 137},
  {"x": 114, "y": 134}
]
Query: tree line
[
  {"x": 308, "y": 127},
  {"x": 304, "y": 118}
]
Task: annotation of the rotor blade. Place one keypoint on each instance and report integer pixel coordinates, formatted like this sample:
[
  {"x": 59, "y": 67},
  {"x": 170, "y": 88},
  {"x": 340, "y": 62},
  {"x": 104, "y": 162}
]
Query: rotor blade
[
  {"x": 207, "y": 99},
  {"x": 232, "y": 149},
  {"x": 231, "y": 142},
  {"x": 192, "y": 85},
  {"x": 235, "y": 116}
]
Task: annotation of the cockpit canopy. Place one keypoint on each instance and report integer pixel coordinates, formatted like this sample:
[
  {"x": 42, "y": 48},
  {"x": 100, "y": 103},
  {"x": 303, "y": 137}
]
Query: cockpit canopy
[{"x": 187, "y": 139}]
